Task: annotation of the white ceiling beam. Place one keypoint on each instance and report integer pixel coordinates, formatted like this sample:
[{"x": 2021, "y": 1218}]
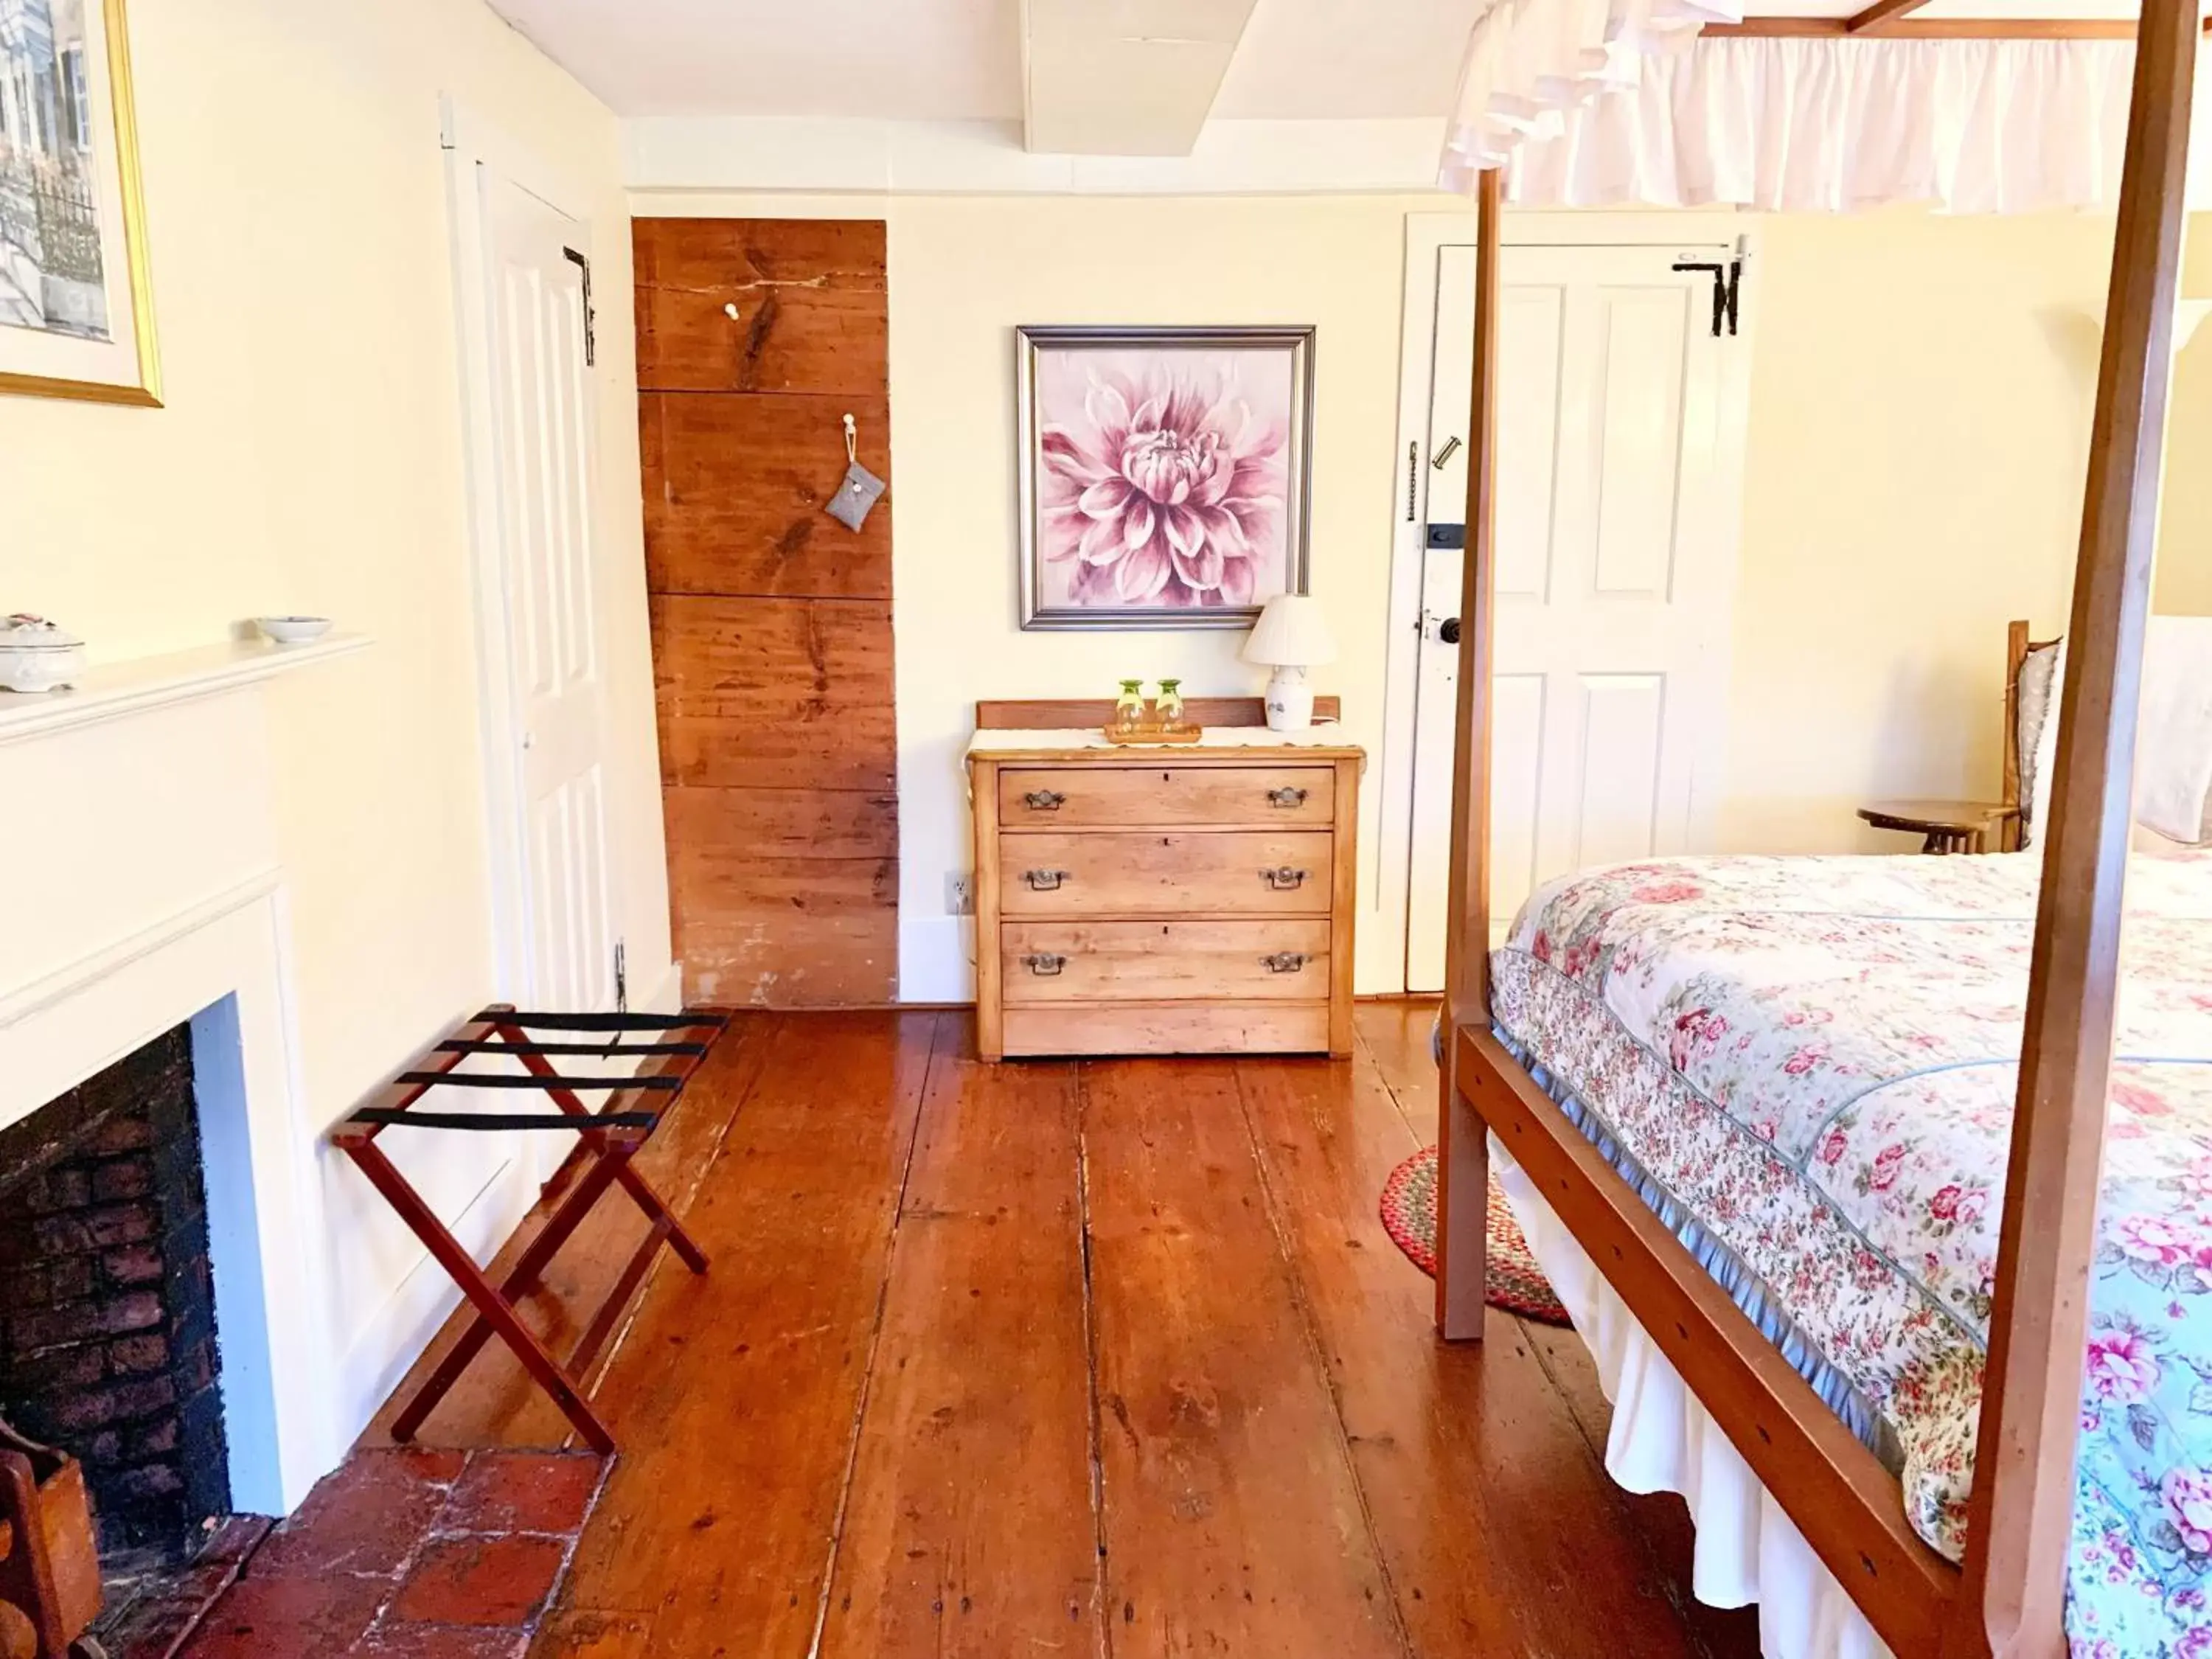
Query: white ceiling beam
[{"x": 1124, "y": 77}]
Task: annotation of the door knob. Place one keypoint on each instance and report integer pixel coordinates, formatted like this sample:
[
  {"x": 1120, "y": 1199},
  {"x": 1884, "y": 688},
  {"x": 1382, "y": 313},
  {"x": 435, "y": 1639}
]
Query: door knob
[{"x": 1447, "y": 630}]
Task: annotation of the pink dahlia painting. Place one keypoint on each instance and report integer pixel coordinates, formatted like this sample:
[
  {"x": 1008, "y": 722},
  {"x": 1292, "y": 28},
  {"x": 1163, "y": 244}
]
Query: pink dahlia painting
[{"x": 1163, "y": 474}]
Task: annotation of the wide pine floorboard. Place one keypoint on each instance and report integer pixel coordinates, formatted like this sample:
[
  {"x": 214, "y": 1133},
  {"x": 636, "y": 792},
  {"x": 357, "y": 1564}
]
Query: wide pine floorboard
[{"x": 1111, "y": 1359}]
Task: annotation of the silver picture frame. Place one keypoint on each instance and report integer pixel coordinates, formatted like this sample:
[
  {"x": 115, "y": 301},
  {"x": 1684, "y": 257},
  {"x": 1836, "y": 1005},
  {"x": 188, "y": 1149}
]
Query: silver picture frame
[{"x": 1032, "y": 344}]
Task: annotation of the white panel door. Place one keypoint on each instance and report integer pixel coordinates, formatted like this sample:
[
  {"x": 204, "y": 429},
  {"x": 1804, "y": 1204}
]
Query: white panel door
[
  {"x": 1613, "y": 570},
  {"x": 543, "y": 421}
]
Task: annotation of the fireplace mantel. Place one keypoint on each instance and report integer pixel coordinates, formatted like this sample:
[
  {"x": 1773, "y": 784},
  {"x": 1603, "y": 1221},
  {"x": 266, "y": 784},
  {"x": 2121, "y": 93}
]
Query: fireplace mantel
[
  {"x": 141, "y": 819},
  {"x": 109, "y": 690}
]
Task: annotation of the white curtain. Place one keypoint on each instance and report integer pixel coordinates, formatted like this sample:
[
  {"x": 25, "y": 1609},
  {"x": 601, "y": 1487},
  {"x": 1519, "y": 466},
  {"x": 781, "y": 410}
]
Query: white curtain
[
  {"x": 1530, "y": 64},
  {"x": 1833, "y": 125}
]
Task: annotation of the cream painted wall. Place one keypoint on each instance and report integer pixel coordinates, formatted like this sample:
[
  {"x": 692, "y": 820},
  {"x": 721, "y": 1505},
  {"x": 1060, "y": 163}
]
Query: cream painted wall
[
  {"x": 1919, "y": 418},
  {"x": 310, "y": 457},
  {"x": 1920, "y": 406}
]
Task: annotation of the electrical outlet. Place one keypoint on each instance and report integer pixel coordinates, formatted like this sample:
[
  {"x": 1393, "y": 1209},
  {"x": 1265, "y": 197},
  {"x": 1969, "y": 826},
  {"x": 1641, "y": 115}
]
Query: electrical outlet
[{"x": 959, "y": 893}]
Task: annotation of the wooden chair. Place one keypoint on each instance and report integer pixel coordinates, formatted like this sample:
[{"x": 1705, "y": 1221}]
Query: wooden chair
[
  {"x": 48, "y": 1556},
  {"x": 2018, "y": 648}
]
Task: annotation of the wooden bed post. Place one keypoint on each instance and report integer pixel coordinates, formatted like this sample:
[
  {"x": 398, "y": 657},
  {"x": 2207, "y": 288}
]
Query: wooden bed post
[
  {"x": 1462, "y": 1158},
  {"x": 2013, "y": 1589}
]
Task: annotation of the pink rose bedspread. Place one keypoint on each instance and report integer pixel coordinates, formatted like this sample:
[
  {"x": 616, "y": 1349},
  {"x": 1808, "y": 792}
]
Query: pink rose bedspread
[{"x": 1814, "y": 1059}]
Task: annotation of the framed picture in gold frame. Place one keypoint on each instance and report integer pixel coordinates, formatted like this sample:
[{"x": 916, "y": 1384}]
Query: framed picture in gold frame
[{"x": 76, "y": 308}]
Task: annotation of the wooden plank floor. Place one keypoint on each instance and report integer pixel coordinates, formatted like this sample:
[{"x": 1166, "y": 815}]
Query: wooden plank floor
[{"x": 1110, "y": 1359}]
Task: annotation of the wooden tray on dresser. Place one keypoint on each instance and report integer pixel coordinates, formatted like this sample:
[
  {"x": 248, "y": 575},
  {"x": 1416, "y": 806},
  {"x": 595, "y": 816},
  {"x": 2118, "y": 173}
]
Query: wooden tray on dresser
[{"x": 1134, "y": 901}]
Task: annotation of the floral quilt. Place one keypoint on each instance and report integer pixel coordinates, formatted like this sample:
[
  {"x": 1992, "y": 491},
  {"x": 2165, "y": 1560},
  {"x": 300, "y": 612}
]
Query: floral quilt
[{"x": 1815, "y": 1059}]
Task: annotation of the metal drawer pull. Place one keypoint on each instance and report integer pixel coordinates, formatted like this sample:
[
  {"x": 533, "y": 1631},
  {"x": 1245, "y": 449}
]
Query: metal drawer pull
[
  {"x": 1045, "y": 881},
  {"x": 1044, "y": 965},
  {"x": 1283, "y": 879},
  {"x": 1044, "y": 801},
  {"x": 1287, "y": 796},
  {"x": 1285, "y": 961}
]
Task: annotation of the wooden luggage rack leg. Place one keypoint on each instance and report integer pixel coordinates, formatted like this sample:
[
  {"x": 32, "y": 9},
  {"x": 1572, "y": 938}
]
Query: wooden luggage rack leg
[{"x": 611, "y": 1139}]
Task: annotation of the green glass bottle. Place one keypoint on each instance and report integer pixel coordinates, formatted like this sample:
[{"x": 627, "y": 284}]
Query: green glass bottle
[
  {"x": 1129, "y": 709},
  {"x": 1170, "y": 707}
]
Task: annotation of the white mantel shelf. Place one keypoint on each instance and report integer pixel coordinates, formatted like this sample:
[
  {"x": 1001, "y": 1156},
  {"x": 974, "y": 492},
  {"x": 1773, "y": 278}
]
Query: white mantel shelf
[{"x": 110, "y": 691}]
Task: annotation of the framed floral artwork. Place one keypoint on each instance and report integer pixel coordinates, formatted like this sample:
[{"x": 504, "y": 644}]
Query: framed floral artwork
[
  {"x": 1165, "y": 474},
  {"x": 76, "y": 312}
]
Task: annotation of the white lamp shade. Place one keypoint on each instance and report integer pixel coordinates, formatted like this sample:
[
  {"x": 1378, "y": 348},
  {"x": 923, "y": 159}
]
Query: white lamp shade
[{"x": 1291, "y": 633}]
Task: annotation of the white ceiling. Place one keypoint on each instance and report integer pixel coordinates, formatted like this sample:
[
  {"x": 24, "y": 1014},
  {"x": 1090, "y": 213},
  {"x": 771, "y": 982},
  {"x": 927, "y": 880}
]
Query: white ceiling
[
  {"x": 922, "y": 60},
  {"x": 1124, "y": 79}
]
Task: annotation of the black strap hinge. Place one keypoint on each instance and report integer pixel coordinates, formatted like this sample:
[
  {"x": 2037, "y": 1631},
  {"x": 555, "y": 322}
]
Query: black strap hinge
[
  {"x": 591, "y": 318},
  {"x": 1728, "y": 288}
]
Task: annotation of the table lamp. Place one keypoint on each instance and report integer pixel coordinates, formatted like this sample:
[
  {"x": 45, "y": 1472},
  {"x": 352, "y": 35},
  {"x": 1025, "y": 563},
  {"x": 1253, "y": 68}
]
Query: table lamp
[{"x": 1291, "y": 636}]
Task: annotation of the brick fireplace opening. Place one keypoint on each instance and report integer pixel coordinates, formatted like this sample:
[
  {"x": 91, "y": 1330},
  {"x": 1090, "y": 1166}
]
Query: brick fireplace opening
[{"x": 107, "y": 1319}]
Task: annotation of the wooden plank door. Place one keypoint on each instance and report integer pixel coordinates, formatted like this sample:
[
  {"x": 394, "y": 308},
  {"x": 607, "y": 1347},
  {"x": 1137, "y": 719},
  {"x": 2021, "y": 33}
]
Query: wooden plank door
[
  {"x": 771, "y": 621},
  {"x": 1613, "y": 576}
]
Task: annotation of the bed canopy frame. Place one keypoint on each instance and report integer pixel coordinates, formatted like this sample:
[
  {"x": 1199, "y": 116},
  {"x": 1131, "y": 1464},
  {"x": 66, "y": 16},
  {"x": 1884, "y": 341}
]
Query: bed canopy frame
[{"x": 2007, "y": 1597}]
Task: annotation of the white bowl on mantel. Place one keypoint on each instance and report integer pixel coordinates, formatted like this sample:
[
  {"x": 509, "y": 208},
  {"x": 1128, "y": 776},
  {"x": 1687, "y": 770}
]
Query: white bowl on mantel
[
  {"x": 293, "y": 630},
  {"x": 37, "y": 656}
]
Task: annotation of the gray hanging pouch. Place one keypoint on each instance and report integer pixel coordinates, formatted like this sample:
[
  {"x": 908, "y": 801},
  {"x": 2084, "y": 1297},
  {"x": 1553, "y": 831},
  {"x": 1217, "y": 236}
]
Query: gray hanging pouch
[{"x": 859, "y": 490}]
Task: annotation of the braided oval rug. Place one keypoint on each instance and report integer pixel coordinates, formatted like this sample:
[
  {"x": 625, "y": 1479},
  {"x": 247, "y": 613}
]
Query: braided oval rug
[{"x": 1515, "y": 1283}]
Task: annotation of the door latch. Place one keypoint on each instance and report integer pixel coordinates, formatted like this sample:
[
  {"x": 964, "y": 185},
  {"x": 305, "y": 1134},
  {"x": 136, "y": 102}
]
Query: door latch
[{"x": 1446, "y": 450}]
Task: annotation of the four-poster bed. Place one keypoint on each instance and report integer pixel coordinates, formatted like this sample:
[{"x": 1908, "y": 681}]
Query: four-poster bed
[{"x": 2006, "y": 1593}]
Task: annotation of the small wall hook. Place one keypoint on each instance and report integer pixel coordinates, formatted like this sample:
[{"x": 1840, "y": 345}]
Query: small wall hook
[{"x": 852, "y": 436}]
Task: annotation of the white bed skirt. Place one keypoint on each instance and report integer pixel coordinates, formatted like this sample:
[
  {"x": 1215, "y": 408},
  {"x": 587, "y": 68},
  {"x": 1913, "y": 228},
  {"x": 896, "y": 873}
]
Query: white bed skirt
[{"x": 1662, "y": 1440}]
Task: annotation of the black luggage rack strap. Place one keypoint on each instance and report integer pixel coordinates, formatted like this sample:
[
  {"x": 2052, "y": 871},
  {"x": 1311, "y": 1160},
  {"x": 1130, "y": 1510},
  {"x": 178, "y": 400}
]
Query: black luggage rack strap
[{"x": 500, "y": 1032}]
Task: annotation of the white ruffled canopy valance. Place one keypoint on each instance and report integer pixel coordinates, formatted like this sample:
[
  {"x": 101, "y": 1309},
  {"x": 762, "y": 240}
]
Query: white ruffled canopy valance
[
  {"x": 1530, "y": 63},
  {"x": 1592, "y": 103}
]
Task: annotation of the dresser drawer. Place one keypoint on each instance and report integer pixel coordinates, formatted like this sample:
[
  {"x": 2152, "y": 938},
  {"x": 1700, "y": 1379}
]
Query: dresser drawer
[
  {"x": 1169, "y": 1027},
  {"x": 1285, "y": 961},
  {"x": 1139, "y": 872},
  {"x": 1072, "y": 797}
]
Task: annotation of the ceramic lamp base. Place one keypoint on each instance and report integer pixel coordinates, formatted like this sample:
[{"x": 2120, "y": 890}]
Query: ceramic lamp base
[{"x": 1290, "y": 701}]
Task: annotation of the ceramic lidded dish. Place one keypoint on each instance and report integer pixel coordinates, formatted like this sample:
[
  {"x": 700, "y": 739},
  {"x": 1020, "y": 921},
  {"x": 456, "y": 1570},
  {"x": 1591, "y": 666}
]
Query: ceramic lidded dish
[{"x": 35, "y": 655}]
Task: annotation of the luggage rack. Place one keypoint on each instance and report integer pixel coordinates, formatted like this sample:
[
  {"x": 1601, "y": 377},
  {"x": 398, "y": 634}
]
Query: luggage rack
[{"x": 612, "y": 1137}]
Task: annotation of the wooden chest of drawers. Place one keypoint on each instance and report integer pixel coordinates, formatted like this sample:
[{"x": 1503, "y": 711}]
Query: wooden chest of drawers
[{"x": 1164, "y": 900}]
